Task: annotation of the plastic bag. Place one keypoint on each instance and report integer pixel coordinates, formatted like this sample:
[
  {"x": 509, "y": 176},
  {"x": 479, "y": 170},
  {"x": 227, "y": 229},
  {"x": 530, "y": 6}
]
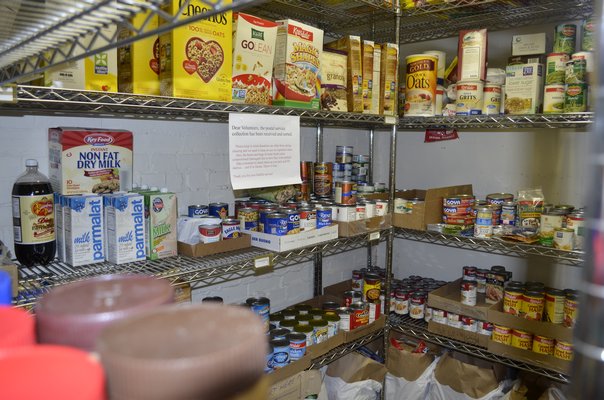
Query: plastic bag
[
  {"x": 529, "y": 208},
  {"x": 338, "y": 389},
  {"x": 401, "y": 389}
]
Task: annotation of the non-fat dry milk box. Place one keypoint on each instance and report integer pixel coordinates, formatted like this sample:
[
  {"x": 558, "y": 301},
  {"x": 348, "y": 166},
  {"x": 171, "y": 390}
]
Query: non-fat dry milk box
[
  {"x": 83, "y": 230},
  {"x": 125, "y": 227},
  {"x": 89, "y": 160},
  {"x": 59, "y": 234},
  {"x": 161, "y": 216}
]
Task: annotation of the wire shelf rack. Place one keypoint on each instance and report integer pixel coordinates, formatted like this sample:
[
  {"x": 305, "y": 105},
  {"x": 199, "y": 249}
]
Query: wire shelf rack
[
  {"x": 493, "y": 246},
  {"x": 345, "y": 349},
  {"x": 574, "y": 120},
  {"x": 419, "y": 329}
]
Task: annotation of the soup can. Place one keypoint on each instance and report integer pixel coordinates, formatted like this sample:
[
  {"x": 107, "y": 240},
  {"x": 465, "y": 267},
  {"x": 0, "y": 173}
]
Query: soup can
[
  {"x": 372, "y": 285},
  {"x": 453, "y": 319},
  {"x": 231, "y": 228},
  {"x": 417, "y": 305},
  {"x": 401, "y": 301},
  {"x": 381, "y": 208},
  {"x": 277, "y": 224},
  {"x": 197, "y": 210},
  {"x": 308, "y": 218},
  {"x": 468, "y": 292},
  {"x": 439, "y": 316},
  {"x": 468, "y": 324},
  {"x": 210, "y": 233},
  {"x": 420, "y": 85},
  {"x": 549, "y": 223},
  {"x": 357, "y": 281}
]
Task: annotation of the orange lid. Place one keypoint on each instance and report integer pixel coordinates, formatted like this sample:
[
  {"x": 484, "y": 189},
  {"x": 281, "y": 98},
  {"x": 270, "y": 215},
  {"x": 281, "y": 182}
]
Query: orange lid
[
  {"x": 18, "y": 328},
  {"x": 50, "y": 373}
]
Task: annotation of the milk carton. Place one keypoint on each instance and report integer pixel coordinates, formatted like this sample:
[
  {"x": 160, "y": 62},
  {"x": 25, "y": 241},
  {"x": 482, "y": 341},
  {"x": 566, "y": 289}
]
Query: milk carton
[
  {"x": 83, "y": 228},
  {"x": 160, "y": 220},
  {"x": 88, "y": 160},
  {"x": 125, "y": 227},
  {"x": 59, "y": 234}
]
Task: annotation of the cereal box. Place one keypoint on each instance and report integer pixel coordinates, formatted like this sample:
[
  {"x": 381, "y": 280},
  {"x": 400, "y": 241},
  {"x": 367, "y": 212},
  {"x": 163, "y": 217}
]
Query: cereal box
[
  {"x": 59, "y": 234},
  {"x": 83, "y": 229},
  {"x": 297, "y": 72},
  {"x": 377, "y": 61},
  {"x": 160, "y": 224},
  {"x": 367, "y": 62},
  {"x": 333, "y": 80},
  {"x": 524, "y": 89},
  {"x": 352, "y": 45},
  {"x": 125, "y": 227},
  {"x": 88, "y": 160},
  {"x": 195, "y": 59},
  {"x": 138, "y": 62},
  {"x": 389, "y": 79},
  {"x": 253, "y": 54}
]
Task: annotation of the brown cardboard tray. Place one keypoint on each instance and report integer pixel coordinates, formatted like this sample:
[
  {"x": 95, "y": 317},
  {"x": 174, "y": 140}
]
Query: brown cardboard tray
[
  {"x": 529, "y": 357},
  {"x": 448, "y": 297},
  {"x": 458, "y": 334},
  {"x": 347, "y": 229},
  {"x": 358, "y": 333},
  {"x": 223, "y": 246},
  {"x": 547, "y": 329}
]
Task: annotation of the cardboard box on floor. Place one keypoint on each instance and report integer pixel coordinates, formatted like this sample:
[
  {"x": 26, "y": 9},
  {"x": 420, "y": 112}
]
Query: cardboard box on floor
[
  {"x": 295, "y": 387},
  {"x": 223, "y": 246},
  {"x": 430, "y": 211},
  {"x": 347, "y": 229}
]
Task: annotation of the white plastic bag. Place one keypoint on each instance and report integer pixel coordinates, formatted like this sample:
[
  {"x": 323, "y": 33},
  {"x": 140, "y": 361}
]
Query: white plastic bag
[
  {"x": 338, "y": 389},
  {"x": 401, "y": 389},
  {"x": 444, "y": 392}
]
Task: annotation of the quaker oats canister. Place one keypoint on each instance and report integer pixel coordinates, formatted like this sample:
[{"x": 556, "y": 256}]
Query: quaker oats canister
[{"x": 420, "y": 89}]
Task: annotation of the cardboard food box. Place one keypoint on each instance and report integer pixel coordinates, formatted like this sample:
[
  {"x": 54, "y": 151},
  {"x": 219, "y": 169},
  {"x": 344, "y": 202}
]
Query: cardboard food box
[
  {"x": 290, "y": 369},
  {"x": 376, "y": 85},
  {"x": 296, "y": 387},
  {"x": 334, "y": 80},
  {"x": 448, "y": 298},
  {"x": 367, "y": 51},
  {"x": 347, "y": 229},
  {"x": 223, "y": 246},
  {"x": 547, "y": 329},
  {"x": 290, "y": 242},
  {"x": 472, "y": 55},
  {"x": 338, "y": 289},
  {"x": 458, "y": 334},
  {"x": 430, "y": 211},
  {"x": 389, "y": 79},
  {"x": 352, "y": 46},
  {"x": 358, "y": 333},
  {"x": 317, "y": 350},
  {"x": 530, "y": 357},
  {"x": 138, "y": 62},
  {"x": 196, "y": 59},
  {"x": 524, "y": 88}
]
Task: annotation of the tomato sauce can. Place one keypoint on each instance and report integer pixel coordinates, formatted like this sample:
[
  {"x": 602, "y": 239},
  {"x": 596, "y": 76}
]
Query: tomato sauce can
[
  {"x": 522, "y": 339},
  {"x": 359, "y": 315},
  {"x": 502, "y": 334},
  {"x": 308, "y": 218},
  {"x": 468, "y": 292},
  {"x": 543, "y": 345},
  {"x": 563, "y": 350}
]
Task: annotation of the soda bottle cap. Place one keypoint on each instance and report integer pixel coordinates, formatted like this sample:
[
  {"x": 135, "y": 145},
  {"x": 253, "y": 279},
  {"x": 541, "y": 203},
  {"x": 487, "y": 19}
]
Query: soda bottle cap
[{"x": 30, "y": 162}]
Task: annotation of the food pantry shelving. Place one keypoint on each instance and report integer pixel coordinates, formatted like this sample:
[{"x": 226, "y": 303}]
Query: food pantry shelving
[{"x": 70, "y": 32}]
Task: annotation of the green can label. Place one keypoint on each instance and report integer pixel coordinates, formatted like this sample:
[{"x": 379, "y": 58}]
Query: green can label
[{"x": 576, "y": 98}]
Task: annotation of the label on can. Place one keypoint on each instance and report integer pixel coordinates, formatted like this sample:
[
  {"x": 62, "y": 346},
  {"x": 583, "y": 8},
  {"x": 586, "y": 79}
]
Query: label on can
[
  {"x": 565, "y": 38},
  {"x": 468, "y": 293},
  {"x": 554, "y": 307},
  {"x": 553, "y": 98},
  {"x": 347, "y": 213},
  {"x": 522, "y": 340},
  {"x": 543, "y": 345},
  {"x": 453, "y": 319},
  {"x": 297, "y": 347},
  {"x": 570, "y": 312},
  {"x": 576, "y": 222},
  {"x": 491, "y": 99},
  {"x": 555, "y": 70},
  {"x": 563, "y": 350},
  {"x": 277, "y": 224},
  {"x": 248, "y": 218},
  {"x": 360, "y": 211},
  {"x": 502, "y": 334},
  {"x": 323, "y": 217},
  {"x": 308, "y": 219},
  {"x": 439, "y": 316},
  {"x": 532, "y": 306},
  {"x": 197, "y": 210},
  {"x": 359, "y": 317},
  {"x": 381, "y": 208},
  {"x": 210, "y": 233},
  {"x": 549, "y": 223},
  {"x": 576, "y": 98},
  {"x": 512, "y": 301},
  {"x": 344, "y": 320},
  {"x": 470, "y": 98},
  {"x": 220, "y": 210},
  {"x": 468, "y": 324},
  {"x": 231, "y": 228},
  {"x": 420, "y": 87}
]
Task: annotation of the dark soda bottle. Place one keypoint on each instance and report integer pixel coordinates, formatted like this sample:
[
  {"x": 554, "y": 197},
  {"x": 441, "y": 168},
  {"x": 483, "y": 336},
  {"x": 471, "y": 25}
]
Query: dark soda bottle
[{"x": 33, "y": 217}]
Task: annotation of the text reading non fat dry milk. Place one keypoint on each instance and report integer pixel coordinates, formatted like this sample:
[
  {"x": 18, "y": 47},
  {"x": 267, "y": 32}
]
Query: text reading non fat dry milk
[
  {"x": 83, "y": 230},
  {"x": 125, "y": 227}
]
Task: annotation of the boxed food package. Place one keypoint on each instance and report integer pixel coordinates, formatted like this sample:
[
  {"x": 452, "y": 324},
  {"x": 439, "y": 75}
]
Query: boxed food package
[
  {"x": 367, "y": 52},
  {"x": 472, "y": 55},
  {"x": 352, "y": 45},
  {"x": 389, "y": 79},
  {"x": 160, "y": 224},
  {"x": 83, "y": 230},
  {"x": 89, "y": 160},
  {"x": 195, "y": 59},
  {"x": 524, "y": 89},
  {"x": 526, "y": 45},
  {"x": 125, "y": 227},
  {"x": 333, "y": 80},
  {"x": 377, "y": 61},
  {"x": 297, "y": 72},
  {"x": 138, "y": 62},
  {"x": 253, "y": 54}
]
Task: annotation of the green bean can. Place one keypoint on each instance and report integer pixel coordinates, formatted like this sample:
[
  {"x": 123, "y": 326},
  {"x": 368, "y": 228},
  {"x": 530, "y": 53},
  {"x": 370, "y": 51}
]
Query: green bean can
[
  {"x": 576, "y": 98},
  {"x": 565, "y": 38},
  {"x": 587, "y": 43}
]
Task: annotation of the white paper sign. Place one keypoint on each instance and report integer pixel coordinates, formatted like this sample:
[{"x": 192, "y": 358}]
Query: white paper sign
[{"x": 264, "y": 150}]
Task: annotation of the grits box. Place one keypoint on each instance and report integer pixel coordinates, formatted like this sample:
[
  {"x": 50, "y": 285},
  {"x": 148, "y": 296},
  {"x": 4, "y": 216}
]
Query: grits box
[
  {"x": 253, "y": 53},
  {"x": 195, "y": 59},
  {"x": 83, "y": 230},
  {"x": 160, "y": 225},
  {"x": 297, "y": 72},
  {"x": 88, "y": 160},
  {"x": 125, "y": 227}
]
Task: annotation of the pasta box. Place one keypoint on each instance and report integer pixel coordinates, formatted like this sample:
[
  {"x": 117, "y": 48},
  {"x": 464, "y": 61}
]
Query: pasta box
[
  {"x": 195, "y": 60},
  {"x": 297, "y": 71}
]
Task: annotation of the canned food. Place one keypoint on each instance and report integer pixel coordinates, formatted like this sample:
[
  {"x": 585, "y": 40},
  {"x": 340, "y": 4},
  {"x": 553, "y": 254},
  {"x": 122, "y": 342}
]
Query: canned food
[
  {"x": 565, "y": 38},
  {"x": 344, "y": 313},
  {"x": 277, "y": 224},
  {"x": 360, "y": 211},
  {"x": 494, "y": 287},
  {"x": 289, "y": 314},
  {"x": 333, "y": 323},
  {"x": 372, "y": 285},
  {"x": 555, "y": 69},
  {"x": 484, "y": 328},
  {"x": 420, "y": 87},
  {"x": 469, "y": 273},
  {"x": 357, "y": 281},
  {"x": 563, "y": 350},
  {"x": 463, "y": 200},
  {"x": 320, "y": 328},
  {"x": 522, "y": 339},
  {"x": 323, "y": 216},
  {"x": 401, "y": 301},
  {"x": 513, "y": 300},
  {"x": 344, "y": 193},
  {"x": 197, "y": 210},
  {"x": 304, "y": 319},
  {"x": 308, "y": 218},
  {"x": 491, "y": 99},
  {"x": 278, "y": 333},
  {"x": 576, "y": 71},
  {"x": 576, "y": 222},
  {"x": 303, "y": 309},
  {"x": 428, "y": 313},
  {"x": 575, "y": 99},
  {"x": 347, "y": 213},
  {"x": 456, "y": 211},
  {"x": 553, "y": 99},
  {"x": 381, "y": 208},
  {"x": 248, "y": 218},
  {"x": 417, "y": 303},
  {"x": 262, "y": 307},
  {"x": 549, "y": 223},
  {"x": 453, "y": 319},
  {"x": 220, "y": 210},
  {"x": 307, "y": 331},
  {"x": 469, "y": 97},
  {"x": 468, "y": 324},
  {"x": 307, "y": 170},
  {"x": 554, "y": 306},
  {"x": 543, "y": 345},
  {"x": 587, "y": 41},
  {"x": 316, "y": 314},
  {"x": 571, "y": 307},
  {"x": 373, "y": 308},
  {"x": 502, "y": 334},
  {"x": 297, "y": 345},
  {"x": 359, "y": 315},
  {"x": 262, "y": 214},
  {"x": 468, "y": 293},
  {"x": 280, "y": 357},
  {"x": 533, "y": 303},
  {"x": 344, "y": 154},
  {"x": 210, "y": 233},
  {"x": 323, "y": 178},
  {"x": 508, "y": 213},
  {"x": 483, "y": 227},
  {"x": 330, "y": 306},
  {"x": 499, "y": 198},
  {"x": 481, "y": 280},
  {"x": 563, "y": 238},
  {"x": 439, "y": 316}
]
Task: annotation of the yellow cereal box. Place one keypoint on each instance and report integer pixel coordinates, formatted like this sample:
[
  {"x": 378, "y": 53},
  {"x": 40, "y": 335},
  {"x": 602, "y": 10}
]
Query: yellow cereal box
[
  {"x": 333, "y": 80},
  {"x": 352, "y": 45},
  {"x": 297, "y": 72},
  {"x": 253, "y": 54},
  {"x": 388, "y": 78},
  {"x": 138, "y": 62},
  {"x": 195, "y": 59},
  {"x": 367, "y": 55}
]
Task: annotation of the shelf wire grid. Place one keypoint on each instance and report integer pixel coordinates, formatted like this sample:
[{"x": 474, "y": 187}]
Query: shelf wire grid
[
  {"x": 493, "y": 246},
  {"x": 345, "y": 349},
  {"x": 572, "y": 120},
  {"x": 419, "y": 329}
]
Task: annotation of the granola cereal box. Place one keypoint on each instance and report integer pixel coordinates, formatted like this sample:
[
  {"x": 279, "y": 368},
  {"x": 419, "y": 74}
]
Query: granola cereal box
[
  {"x": 388, "y": 78},
  {"x": 377, "y": 61},
  {"x": 253, "y": 54},
  {"x": 333, "y": 80},
  {"x": 352, "y": 45},
  {"x": 297, "y": 71},
  {"x": 88, "y": 160},
  {"x": 195, "y": 59},
  {"x": 367, "y": 56},
  {"x": 138, "y": 62}
]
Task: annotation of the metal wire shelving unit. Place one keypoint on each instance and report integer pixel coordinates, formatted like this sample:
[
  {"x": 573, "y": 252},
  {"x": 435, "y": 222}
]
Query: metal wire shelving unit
[
  {"x": 493, "y": 246},
  {"x": 553, "y": 121},
  {"x": 419, "y": 329},
  {"x": 345, "y": 349}
]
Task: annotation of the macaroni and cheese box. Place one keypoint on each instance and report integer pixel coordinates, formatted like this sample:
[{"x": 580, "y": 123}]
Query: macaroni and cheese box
[
  {"x": 352, "y": 45},
  {"x": 367, "y": 56},
  {"x": 297, "y": 72},
  {"x": 138, "y": 62},
  {"x": 388, "y": 79},
  {"x": 253, "y": 54},
  {"x": 195, "y": 59}
]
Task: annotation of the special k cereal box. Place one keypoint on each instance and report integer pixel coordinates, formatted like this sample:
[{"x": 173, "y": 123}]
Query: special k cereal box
[
  {"x": 253, "y": 54},
  {"x": 297, "y": 72},
  {"x": 195, "y": 59},
  {"x": 88, "y": 160},
  {"x": 138, "y": 62}
]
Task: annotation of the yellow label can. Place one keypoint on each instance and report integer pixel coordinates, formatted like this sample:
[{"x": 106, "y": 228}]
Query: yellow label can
[{"x": 420, "y": 85}]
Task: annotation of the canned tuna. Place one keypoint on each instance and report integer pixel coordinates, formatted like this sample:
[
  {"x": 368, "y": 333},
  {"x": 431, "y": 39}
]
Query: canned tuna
[{"x": 197, "y": 210}]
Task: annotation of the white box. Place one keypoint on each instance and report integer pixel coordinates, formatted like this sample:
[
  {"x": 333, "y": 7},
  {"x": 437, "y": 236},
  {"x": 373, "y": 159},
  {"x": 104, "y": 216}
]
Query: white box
[
  {"x": 524, "y": 89},
  {"x": 125, "y": 227},
  {"x": 528, "y": 45},
  {"x": 59, "y": 233},
  {"x": 290, "y": 242},
  {"x": 83, "y": 227}
]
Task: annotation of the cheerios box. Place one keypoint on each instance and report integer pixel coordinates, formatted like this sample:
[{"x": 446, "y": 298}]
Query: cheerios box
[
  {"x": 195, "y": 60},
  {"x": 89, "y": 160}
]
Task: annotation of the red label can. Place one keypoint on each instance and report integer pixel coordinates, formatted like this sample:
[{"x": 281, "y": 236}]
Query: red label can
[{"x": 359, "y": 315}]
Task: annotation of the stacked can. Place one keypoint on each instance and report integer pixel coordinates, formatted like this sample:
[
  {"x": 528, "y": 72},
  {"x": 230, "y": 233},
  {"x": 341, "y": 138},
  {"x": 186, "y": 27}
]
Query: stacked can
[
  {"x": 410, "y": 296},
  {"x": 307, "y": 175},
  {"x": 360, "y": 168},
  {"x": 496, "y": 201},
  {"x": 458, "y": 214}
]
